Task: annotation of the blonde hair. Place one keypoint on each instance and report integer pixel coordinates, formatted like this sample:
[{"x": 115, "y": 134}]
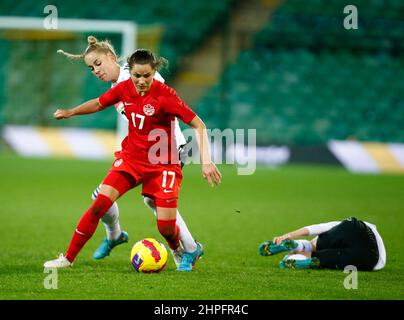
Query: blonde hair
[{"x": 104, "y": 46}]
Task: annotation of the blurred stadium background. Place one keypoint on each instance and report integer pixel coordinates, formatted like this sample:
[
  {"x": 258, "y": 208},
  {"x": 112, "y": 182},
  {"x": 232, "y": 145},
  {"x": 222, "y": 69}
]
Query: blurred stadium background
[{"x": 288, "y": 69}]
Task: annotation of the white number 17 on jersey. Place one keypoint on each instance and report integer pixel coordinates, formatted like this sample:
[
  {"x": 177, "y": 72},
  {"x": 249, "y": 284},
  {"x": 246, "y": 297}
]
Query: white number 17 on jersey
[
  {"x": 164, "y": 184},
  {"x": 134, "y": 116}
]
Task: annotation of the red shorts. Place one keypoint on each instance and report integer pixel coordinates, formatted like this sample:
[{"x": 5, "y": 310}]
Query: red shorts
[{"x": 161, "y": 182}]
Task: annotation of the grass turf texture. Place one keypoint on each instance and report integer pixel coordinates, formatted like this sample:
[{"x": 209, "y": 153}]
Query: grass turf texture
[{"x": 42, "y": 201}]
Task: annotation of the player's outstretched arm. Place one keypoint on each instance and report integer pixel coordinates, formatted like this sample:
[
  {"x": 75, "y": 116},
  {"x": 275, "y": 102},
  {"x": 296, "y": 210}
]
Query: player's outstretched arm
[
  {"x": 90, "y": 106},
  {"x": 302, "y": 232},
  {"x": 209, "y": 170}
]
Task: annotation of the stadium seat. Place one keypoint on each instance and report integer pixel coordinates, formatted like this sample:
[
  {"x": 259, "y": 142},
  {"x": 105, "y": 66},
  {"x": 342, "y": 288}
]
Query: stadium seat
[
  {"x": 308, "y": 80},
  {"x": 299, "y": 96}
]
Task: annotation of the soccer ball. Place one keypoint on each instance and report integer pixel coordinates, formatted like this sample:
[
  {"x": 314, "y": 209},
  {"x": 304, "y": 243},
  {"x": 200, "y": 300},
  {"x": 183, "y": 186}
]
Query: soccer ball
[{"x": 148, "y": 255}]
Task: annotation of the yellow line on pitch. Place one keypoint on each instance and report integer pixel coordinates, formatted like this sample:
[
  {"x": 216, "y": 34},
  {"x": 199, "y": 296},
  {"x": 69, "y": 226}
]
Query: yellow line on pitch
[
  {"x": 109, "y": 140},
  {"x": 53, "y": 138},
  {"x": 384, "y": 158}
]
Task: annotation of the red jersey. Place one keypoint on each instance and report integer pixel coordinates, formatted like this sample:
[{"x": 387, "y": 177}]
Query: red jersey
[{"x": 157, "y": 109}]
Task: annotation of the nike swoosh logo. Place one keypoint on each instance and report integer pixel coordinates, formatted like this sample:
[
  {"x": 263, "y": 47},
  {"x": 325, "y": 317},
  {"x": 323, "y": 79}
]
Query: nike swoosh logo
[
  {"x": 80, "y": 233},
  {"x": 167, "y": 191},
  {"x": 127, "y": 103}
]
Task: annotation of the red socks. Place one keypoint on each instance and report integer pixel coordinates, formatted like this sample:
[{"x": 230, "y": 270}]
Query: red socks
[
  {"x": 170, "y": 231},
  {"x": 87, "y": 225},
  {"x": 89, "y": 222}
]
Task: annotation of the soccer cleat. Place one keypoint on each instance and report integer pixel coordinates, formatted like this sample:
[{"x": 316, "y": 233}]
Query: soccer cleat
[
  {"x": 107, "y": 245},
  {"x": 189, "y": 258},
  {"x": 177, "y": 254},
  {"x": 289, "y": 263},
  {"x": 60, "y": 262},
  {"x": 269, "y": 248}
]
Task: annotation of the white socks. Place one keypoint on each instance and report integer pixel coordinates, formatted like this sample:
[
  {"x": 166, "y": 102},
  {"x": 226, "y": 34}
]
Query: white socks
[
  {"x": 186, "y": 238},
  {"x": 295, "y": 257},
  {"x": 303, "y": 246},
  {"x": 111, "y": 222}
]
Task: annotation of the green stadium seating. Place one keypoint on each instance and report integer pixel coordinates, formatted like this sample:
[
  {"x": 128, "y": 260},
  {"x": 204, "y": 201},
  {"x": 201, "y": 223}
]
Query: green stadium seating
[
  {"x": 308, "y": 80},
  {"x": 317, "y": 24},
  {"x": 303, "y": 97}
]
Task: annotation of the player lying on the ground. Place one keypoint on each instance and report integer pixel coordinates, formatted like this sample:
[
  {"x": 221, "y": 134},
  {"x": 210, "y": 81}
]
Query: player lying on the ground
[{"x": 337, "y": 244}]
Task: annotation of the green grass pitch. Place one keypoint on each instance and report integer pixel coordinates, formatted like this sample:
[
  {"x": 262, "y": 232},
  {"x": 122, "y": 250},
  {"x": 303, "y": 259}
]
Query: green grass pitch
[{"x": 42, "y": 201}]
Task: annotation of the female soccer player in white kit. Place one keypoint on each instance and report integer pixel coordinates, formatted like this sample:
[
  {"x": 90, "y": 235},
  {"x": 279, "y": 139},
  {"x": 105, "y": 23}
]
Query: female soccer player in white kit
[
  {"x": 101, "y": 59},
  {"x": 337, "y": 244}
]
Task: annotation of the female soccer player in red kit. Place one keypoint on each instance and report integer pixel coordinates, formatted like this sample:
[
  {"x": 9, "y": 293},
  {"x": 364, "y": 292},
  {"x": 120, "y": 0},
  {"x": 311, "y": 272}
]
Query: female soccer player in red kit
[
  {"x": 151, "y": 108},
  {"x": 101, "y": 59}
]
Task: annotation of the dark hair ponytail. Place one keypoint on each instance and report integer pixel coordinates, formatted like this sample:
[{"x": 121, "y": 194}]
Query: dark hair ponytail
[{"x": 143, "y": 56}]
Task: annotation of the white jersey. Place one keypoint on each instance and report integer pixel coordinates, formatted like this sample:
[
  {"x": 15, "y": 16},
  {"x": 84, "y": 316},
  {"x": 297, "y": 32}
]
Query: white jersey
[
  {"x": 124, "y": 75},
  {"x": 317, "y": 229}
]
